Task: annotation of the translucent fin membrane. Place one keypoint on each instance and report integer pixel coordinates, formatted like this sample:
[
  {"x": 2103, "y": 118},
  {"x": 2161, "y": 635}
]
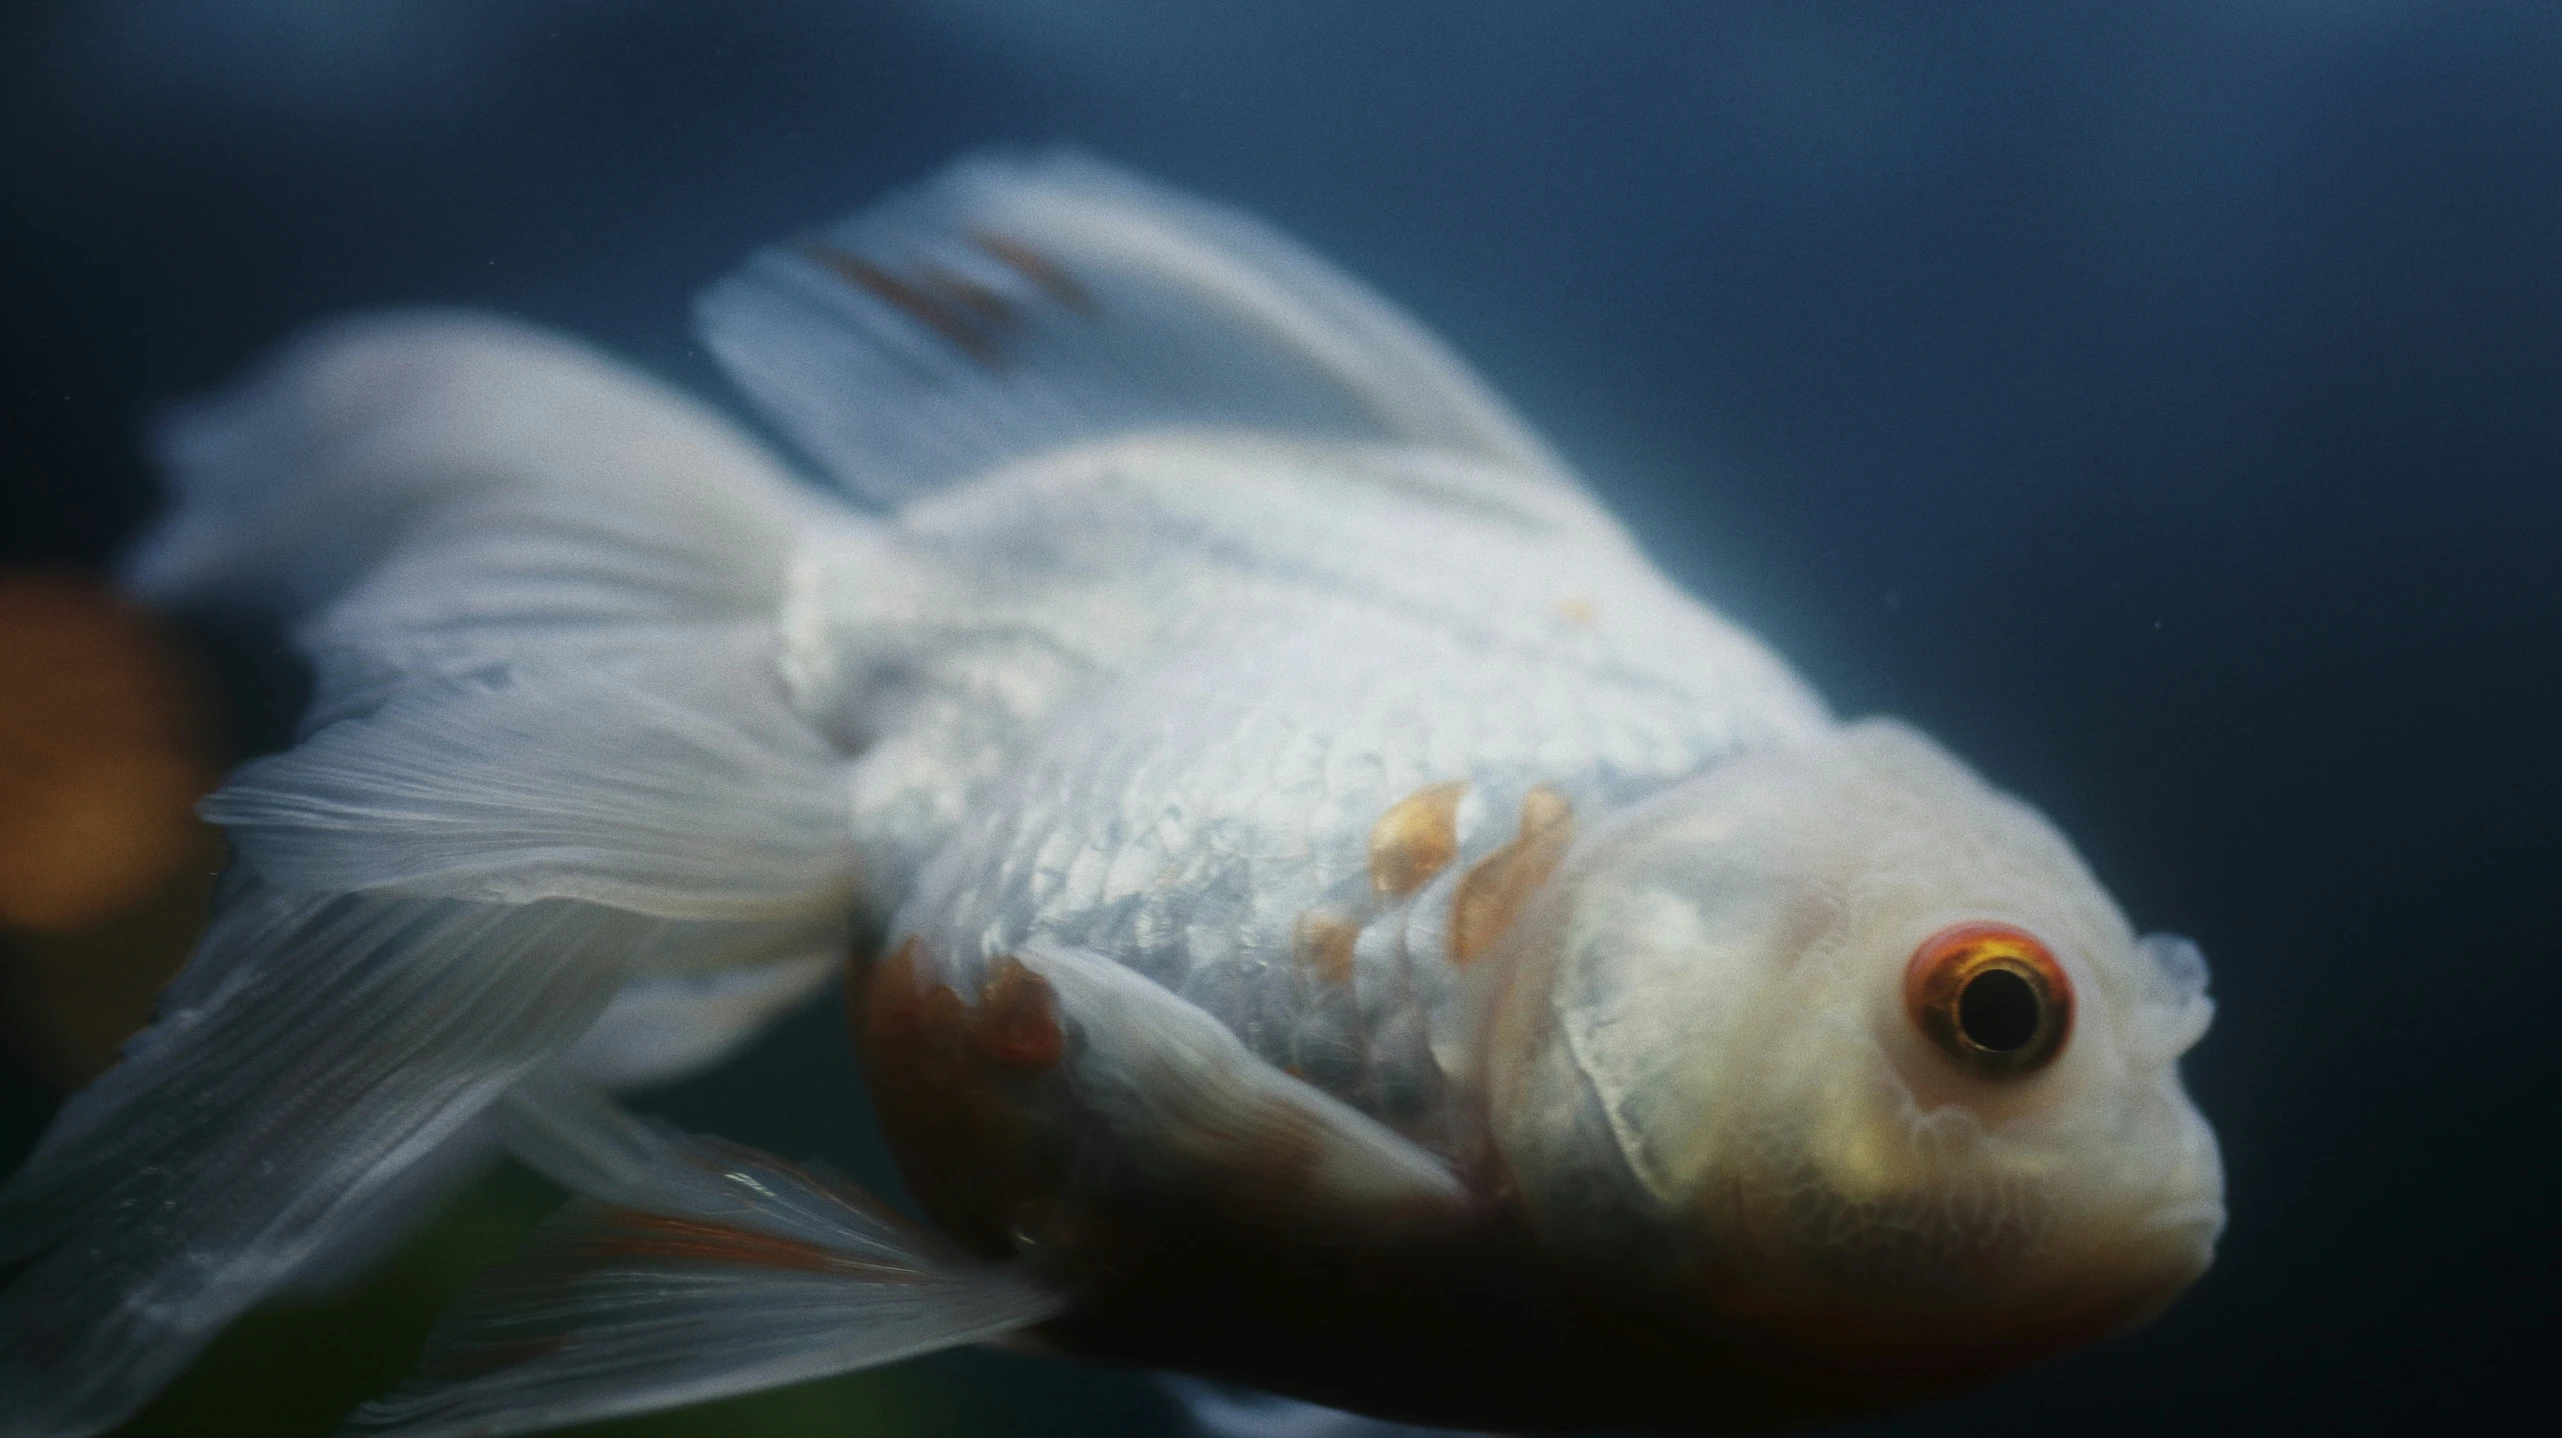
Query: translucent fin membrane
[
  {"x": 698, "y": 1269},
  {"x": 558, "y": 785},
  {"x": 314, "y": 1052},
  {"x": 1016, "y": 304},
  {"x": 550, "y": 752}
]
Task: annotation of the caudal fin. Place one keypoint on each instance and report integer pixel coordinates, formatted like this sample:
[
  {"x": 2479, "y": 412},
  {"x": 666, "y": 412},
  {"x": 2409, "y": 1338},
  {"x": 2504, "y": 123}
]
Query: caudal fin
[
  {"x": 552, "y": 750},
  {"x": 314, "y": 1051}
]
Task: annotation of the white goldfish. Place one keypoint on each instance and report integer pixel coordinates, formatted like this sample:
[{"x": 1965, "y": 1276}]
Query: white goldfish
[{"x": 1323, "y": 913}]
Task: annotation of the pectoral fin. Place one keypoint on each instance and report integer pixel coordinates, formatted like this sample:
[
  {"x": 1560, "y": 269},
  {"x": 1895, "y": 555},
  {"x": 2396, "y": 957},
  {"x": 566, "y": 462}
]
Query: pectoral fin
[{"x": 1187, "y": 1100}]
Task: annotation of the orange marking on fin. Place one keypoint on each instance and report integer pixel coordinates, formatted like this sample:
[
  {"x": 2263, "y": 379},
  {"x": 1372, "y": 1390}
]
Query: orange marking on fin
[
  {"x": 986, "y": 303},
  {"x": 1493, "y": 892},
  {"x": 655, "y": 1235},
  {"x": 1416, "y": 838},
  {"x": 918, "y": 304},
  {"x": 1039, "y": 268}
]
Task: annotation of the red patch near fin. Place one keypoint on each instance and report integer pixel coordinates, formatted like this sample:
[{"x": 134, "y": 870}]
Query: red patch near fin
[
  {"x": 1018, "y": 1020},
  {"x": 957, "y": 1084}
]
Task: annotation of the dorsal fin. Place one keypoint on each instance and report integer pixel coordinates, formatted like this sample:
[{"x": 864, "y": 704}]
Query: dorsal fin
[{"x": 1015, "y": 303}]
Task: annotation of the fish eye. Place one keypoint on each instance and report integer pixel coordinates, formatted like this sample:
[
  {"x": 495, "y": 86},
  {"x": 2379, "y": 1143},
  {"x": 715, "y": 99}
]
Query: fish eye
[{"x": 1991, "y": 997}]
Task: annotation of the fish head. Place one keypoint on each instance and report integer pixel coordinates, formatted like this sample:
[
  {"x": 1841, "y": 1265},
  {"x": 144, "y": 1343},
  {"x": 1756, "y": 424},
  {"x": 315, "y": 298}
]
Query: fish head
[{"x": 1839, "y": 1058}]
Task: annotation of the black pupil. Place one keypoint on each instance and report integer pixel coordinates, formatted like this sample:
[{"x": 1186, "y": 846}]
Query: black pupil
[{"x": 1998, "y": 1010}]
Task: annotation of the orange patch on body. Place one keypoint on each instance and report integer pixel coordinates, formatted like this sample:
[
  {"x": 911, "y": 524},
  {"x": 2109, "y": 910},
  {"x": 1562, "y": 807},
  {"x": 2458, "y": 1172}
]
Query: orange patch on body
[
  {"x": 1416, "y": 838},
  {"x": 1324, "y": 942},
  {"x": 1494, "y": 890},
  {"x": 1577, "y": 609}
]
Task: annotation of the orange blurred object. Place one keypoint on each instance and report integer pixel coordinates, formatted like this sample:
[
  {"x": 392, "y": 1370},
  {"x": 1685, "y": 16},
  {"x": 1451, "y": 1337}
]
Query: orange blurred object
[{"x": 104, "y": 867}]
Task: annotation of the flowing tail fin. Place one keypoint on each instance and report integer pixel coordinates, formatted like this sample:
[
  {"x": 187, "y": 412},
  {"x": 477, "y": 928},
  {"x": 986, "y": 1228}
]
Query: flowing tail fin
[{"x": 541, "y": 594}]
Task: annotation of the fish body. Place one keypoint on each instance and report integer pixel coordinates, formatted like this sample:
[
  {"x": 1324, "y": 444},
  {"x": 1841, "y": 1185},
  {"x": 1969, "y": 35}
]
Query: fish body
[
  {"x": 1318, "y": 909},
  {"x": 1210, "y": 793},
  {"x": 1304, "y": 760}
]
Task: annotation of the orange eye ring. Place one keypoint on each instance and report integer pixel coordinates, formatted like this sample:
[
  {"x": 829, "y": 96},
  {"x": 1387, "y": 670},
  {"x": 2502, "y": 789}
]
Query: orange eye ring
[{"x": 1991, "y": 996}]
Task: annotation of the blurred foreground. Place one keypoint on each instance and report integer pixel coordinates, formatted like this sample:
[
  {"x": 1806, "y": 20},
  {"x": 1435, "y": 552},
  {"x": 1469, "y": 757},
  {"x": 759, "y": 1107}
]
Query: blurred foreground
[{"x": 105, "y": 746}]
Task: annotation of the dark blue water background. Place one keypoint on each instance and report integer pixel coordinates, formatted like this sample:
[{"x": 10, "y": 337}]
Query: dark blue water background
[{"x": 2160, "y": 403}]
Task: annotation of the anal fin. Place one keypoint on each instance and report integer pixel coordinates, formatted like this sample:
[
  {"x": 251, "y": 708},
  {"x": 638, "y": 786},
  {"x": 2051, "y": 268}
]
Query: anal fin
[
  {"x": 1220, "y": 1410},
  {"x": 688, "y": 1269}
]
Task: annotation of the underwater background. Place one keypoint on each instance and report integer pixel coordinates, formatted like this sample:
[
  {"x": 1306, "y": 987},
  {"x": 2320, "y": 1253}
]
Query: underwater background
[{"x": 2161, "y": 404}]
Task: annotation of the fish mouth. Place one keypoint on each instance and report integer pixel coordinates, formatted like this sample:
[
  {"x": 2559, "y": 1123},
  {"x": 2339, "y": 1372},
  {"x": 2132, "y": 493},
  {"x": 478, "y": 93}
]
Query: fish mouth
[{"x": 2173, "y": 1247}]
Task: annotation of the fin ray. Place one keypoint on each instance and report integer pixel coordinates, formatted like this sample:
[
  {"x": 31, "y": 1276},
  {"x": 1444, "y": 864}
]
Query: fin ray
[
  {"x": 1185, "y": 1096},
  {"x": 315, "y": 1052},
  {"x": 559, "y": 783},
  {"x": 690, "y": 1269}
]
